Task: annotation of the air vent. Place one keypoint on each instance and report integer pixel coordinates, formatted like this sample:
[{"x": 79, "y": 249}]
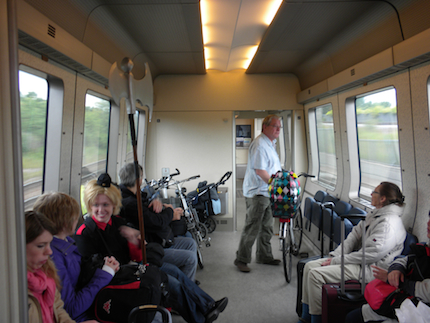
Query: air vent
[
  {"x": 51, "y": 31},
  {"x": 39, "y": 47},
  {"x": 353, "y": 72}
]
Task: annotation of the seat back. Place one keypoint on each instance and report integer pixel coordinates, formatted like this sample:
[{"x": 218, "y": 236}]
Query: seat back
[
  {"x": 330, "y": 198},
  {"x": 410, "y": 239},
  {"x": 356, "y": 210},
  {"x": 309, "y": 201},
  {"x": 342, "y": 207},
  {"x": 337, "y": 226},
  {"x": 319, "y": 196}
]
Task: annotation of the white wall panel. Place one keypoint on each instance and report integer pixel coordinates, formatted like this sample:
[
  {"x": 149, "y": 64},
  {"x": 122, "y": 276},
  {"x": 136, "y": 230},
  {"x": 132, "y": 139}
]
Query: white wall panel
[{"x": 420, "y": 102}]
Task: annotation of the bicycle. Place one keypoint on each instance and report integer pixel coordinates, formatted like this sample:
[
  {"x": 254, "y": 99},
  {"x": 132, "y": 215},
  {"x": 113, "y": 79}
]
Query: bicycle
[
  {"x": 197, "y": 229},
  {"x": 284, "y": 189}
]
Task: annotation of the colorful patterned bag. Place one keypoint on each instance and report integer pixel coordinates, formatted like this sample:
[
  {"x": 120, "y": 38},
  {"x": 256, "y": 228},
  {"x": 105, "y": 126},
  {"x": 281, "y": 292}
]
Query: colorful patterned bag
[{"x": 284, "y": 191}]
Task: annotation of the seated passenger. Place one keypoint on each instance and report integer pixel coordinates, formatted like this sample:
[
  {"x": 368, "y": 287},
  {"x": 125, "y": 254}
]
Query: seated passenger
[
  {"x": 385, "y": 235},
  {"x": 63, "y": 211},
  {"x": 108, "y": 235},
  {"x": 179, "y": 251},
  {"x": 397, "y": 276},
  {"x": 44, "y": 299}
]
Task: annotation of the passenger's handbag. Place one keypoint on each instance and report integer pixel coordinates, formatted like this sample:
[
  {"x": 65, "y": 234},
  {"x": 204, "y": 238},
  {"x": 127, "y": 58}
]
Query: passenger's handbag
[
  {"x": 132, "y": 285},
  {"x": 89, "y": 266},
  {"x": 376, "y": 293},
  {"x": 384, "y": 298}
]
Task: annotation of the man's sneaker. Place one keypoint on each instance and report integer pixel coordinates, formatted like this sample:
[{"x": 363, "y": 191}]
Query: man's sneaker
[{"x": 243, "y": 267}]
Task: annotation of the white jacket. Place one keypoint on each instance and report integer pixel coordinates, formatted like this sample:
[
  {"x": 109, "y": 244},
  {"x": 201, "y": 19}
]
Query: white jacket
[{"x": 385, "y": 235}]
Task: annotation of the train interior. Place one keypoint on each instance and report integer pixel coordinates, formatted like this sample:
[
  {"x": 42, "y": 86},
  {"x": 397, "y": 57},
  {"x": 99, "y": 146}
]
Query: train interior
[{"x": 349, "y": 78}]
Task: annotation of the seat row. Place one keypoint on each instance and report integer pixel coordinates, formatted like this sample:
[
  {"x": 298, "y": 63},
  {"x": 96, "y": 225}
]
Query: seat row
[{"x": 324, "y": 211}]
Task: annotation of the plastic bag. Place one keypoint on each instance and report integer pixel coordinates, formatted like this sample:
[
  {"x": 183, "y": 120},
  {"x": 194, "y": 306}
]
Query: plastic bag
[{"x": 408, "y": 312}]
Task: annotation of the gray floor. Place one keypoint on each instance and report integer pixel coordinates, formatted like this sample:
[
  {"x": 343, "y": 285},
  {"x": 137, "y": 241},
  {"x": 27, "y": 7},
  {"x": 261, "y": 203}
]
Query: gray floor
[{"x": 259, "y": 296}]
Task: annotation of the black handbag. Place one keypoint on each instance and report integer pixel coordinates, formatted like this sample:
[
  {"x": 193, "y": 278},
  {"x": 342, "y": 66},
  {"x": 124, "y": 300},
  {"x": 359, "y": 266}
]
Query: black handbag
[
  {"x": 132, "y": 286},
  {"x": 89, "y": 266}
]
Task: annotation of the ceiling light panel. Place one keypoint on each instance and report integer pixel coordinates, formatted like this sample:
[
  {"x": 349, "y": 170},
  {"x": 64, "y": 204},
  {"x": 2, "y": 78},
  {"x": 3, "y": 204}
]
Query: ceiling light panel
[{"x": 233, "y": 29}]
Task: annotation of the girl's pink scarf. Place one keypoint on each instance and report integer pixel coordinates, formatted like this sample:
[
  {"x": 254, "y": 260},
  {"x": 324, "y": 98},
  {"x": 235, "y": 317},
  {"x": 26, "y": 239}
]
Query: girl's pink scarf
[{"x": 43, "y": 288}]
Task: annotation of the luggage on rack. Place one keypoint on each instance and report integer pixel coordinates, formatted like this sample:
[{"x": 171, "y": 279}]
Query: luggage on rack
[{"x": 338, "y": 299}]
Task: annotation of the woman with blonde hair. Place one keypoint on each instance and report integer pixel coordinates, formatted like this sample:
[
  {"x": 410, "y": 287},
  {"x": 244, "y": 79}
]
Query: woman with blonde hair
[{"x": 103, "y": 232}]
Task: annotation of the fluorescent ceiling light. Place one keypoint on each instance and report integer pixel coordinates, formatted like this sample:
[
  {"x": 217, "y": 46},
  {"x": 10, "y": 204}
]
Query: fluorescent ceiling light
[{"x": 233, "y": 29}]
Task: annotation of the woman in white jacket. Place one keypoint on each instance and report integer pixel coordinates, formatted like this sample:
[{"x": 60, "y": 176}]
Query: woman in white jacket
[{"x": 385, "y": 235}]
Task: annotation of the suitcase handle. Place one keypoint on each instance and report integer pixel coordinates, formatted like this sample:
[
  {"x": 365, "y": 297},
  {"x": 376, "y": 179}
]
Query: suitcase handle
[{"x": 351, "y": 297}]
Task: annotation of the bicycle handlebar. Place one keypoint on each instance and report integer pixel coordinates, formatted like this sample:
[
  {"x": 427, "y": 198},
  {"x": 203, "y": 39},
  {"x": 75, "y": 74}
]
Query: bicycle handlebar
[
  {"x": 305, "y": 175},
  {"x": 174, "y": 174},
  {"x": 224, "y": 178}
]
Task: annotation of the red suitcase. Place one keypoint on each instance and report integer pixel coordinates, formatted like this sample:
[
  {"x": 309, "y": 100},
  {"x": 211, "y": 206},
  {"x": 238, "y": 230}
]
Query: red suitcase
[{"x": 338, "y": 299}]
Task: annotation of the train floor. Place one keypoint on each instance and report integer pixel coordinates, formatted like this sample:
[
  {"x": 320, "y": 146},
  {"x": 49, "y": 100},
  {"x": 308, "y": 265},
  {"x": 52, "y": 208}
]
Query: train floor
[{"x": 260, "y": 296}]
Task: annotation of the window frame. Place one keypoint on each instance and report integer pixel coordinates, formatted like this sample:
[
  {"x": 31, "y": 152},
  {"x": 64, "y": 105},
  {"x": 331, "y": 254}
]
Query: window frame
[
  {"x": 314, "y": 185},
  {"x": 53, "y": 132},
  {"x": 360, "y": 191},
  {"x": 400, "y": 81}
]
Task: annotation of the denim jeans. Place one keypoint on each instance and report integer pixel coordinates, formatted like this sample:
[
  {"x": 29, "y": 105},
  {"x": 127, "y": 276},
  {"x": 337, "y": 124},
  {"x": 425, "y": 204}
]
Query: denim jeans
[
  {"x": 258, "y": 225},
  {"x": 355, "y": 316},
  {"x": 185, "y": 297},
  {"x": 183, "y": 254}
]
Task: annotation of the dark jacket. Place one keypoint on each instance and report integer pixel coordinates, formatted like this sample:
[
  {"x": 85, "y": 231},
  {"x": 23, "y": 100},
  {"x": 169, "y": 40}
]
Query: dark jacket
[
  {"x": 156, "y": 225},
  {"x": 92, "y": 240}
]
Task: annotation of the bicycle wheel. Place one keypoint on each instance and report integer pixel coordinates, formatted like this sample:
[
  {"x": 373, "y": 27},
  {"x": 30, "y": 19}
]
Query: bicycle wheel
[
  {"x": 202, "y": 229},
  {"x": 194, "y": 233},
  {"x": 297, "y": 232},
  {"x": 200, "y": 258},
  {"x": 286, "y": 253},
  {"x": 210, "y": 224}
]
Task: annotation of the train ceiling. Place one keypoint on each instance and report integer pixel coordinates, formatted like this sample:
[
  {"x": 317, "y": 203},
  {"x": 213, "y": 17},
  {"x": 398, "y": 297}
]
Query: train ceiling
[{"x": 313, "y": 39}]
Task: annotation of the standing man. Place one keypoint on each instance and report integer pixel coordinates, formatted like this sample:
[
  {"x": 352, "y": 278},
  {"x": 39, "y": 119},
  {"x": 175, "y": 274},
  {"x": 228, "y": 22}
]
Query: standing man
[{"x": 263, "y": 161}]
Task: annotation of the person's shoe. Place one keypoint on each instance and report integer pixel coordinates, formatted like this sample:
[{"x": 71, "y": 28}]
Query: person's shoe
[
  {"x": 197, "y": 282},
  {"x": 273, "y": 262},
  {"x": 243, "y": 267},
  {"x": 217, "y": 308}
]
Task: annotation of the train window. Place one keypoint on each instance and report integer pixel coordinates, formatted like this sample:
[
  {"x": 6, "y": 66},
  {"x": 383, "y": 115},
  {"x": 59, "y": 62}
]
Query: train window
[
  {"x": 96, "y": 137},
  {"x": 34, "y": 105},
  {"x": 378, "y": 140},
  {"x": 327, "y": 169}
]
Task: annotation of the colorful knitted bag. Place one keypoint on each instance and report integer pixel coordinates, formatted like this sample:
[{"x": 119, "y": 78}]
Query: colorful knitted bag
[{"x": 284, "y": 191}]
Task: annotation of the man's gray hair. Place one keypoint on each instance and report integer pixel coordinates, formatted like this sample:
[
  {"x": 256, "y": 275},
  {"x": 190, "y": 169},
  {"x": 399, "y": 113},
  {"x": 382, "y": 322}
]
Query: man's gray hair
[{"x": 127, "y": 175}]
